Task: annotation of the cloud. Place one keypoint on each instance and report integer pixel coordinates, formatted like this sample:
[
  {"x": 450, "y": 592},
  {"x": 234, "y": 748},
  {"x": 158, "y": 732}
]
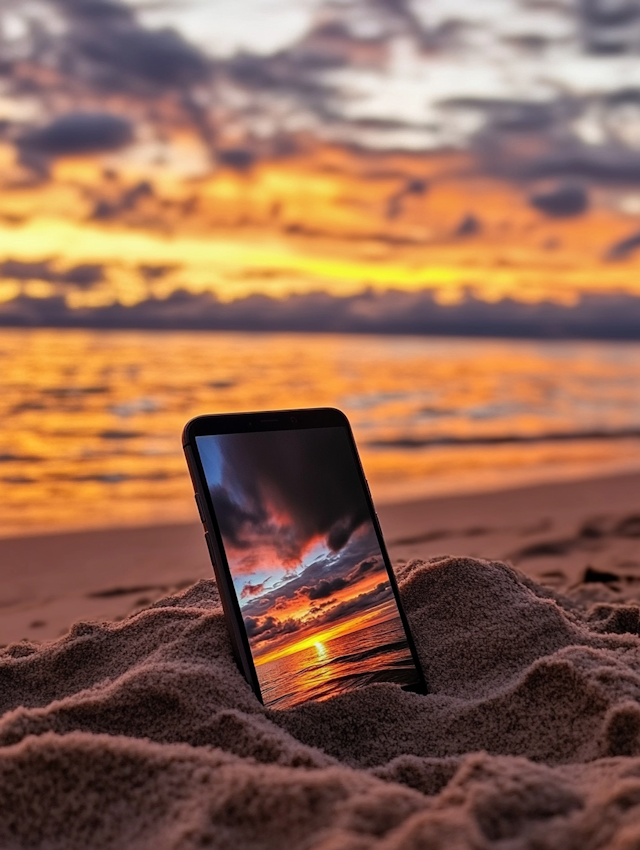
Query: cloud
[
  {"x": 469, "y": 226},
  {"x": 283, "y": 497},
  {"x": 106, "y": 44},
  {"x": 606, "y": 165},
  {"x": 256, "y": 627},
  {"x": 509, "y": 115},
  {"x": 326, "y": 80},
  {"x": 263, "y": 626},
  {"x": 344, "y": 568},
  {"x": 564, "y": 202},
  {"x": 327, "y": 587},
  {"x": 624, "y": 248},
  {"x": 253, "y": 589},
  {"x": 92, "y": 52},
  {"x": 366, "y": 567},
  {"x": 413, "y": 186},
  {"x": 127, "y": 201},
  {"x": 239, "y": 159},
  {"x": 78, "y": 133},
  {"x": 609, "y": 28},
  {"x": 358, "y": 605},
  {"x": 595, "y": 316},
  {"x": 269, "y": 628},
  {"x": 528, "y": 140},
  {"x": 238, "y": 521},
  {"x": 82, "y": 276}
]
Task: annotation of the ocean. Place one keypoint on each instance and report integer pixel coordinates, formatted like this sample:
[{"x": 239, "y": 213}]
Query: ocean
[
  {"x": 91, "y": 421},
  {"x": 373, "y": 653}
]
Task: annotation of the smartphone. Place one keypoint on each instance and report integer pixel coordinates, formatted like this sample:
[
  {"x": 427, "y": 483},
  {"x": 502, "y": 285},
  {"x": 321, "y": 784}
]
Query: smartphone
[{"x": 306, "y": 584}]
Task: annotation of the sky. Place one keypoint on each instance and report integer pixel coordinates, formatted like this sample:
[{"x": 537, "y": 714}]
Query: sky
[
  {"x": 285, "y": 147},
  {"x": 302, "y": 550}
]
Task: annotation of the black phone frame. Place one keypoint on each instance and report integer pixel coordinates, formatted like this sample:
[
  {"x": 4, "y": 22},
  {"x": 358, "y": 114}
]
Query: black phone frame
[{"x": 270, "y": 420}]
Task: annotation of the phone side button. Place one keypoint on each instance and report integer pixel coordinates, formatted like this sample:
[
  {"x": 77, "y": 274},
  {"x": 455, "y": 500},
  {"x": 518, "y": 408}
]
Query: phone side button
[
  {"x": 200, "y": 511},
  {"x": 210, "y": 548}
]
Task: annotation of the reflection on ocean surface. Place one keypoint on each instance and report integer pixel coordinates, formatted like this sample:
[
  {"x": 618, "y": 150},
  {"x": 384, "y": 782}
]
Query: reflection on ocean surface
[
  {"x": 91, "y": 420},
  {"x": 374, "y": 653}
]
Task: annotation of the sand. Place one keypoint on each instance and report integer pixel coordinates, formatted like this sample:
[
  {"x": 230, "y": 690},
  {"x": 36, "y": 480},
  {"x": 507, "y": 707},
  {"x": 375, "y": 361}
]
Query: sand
[
  {"x": 552, "y": 532},
  {"x": 142, "y": 733}
]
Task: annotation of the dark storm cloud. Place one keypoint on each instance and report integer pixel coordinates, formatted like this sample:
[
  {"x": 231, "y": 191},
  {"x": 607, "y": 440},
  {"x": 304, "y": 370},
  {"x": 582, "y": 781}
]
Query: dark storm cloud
[
  {"x": 289, "y": 488},
  {"x": 564, "y": 202},
  {"x": 239, "y": 521},
  {"x": 77, "y": 133},
  {"x": 595, "y": 316}
]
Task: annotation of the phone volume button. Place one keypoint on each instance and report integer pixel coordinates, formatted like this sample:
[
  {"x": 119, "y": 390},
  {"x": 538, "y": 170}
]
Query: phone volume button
[{"x": 200, "y": 511}]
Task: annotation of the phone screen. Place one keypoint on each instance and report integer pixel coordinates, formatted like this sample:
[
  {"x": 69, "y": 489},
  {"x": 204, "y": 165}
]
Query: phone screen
[{"x": 320, "y": 613}]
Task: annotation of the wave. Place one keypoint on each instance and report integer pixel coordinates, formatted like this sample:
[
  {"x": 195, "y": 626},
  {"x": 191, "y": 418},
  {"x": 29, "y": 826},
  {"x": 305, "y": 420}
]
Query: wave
[{"x": 499, "y": 439}]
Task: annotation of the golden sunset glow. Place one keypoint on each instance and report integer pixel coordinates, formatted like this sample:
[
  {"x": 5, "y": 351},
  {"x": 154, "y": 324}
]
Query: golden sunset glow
[
  {"x": 318, "y": 220},
  {"x": 299, "y": 610},
  {"x": 324, "y": 636}
]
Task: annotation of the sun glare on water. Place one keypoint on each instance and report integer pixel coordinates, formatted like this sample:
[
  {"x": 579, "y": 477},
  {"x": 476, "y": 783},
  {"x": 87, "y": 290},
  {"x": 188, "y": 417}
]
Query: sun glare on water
[{"x": 321, "y": 649}]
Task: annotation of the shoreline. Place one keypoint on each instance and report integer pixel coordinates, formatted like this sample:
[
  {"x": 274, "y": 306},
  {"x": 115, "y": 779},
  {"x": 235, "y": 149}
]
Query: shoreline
[
  {"x": 552, "y": 531},
  {"x": 386, "y": 497}
]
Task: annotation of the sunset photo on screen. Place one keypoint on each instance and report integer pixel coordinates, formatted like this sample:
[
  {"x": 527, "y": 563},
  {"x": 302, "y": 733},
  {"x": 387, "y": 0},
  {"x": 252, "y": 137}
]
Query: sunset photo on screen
[{"x": 306, "y": 564}]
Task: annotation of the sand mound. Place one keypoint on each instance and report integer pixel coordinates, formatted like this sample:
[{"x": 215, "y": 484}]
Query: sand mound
[{"x": 143, "y": 734}]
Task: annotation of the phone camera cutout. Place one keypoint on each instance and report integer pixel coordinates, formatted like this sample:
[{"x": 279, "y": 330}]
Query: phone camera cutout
[{"x": 294, "y": 419}]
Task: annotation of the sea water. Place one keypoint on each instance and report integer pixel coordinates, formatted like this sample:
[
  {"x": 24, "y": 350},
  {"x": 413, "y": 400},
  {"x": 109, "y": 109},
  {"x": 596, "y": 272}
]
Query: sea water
[
  {"x": 90, "y": 421},
  {"x": 373, "y": 653}
]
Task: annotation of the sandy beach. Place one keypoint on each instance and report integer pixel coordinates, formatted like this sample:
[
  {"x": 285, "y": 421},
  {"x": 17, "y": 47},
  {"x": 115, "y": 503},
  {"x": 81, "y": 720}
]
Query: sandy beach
[
  {"x": 552, "y": 532},
  {"x": 133, "y": 727}
]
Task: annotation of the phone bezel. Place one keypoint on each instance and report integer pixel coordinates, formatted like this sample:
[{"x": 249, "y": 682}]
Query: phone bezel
[{"x": 270, "y": 420}]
